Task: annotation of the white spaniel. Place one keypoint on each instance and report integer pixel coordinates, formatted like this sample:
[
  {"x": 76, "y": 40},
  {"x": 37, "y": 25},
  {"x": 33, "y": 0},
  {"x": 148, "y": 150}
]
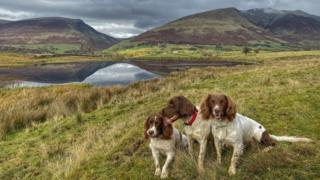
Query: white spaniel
[
  {"x": 231, "y": 128},
  {"x": 164, "y": 140}
]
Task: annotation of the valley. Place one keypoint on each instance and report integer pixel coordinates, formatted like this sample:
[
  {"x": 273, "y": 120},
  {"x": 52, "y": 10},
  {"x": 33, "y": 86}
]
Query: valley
[{"x": 74, "y": 100}]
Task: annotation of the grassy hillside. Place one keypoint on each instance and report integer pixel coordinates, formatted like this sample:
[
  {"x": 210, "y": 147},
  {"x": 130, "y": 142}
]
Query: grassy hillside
[
  {"x": 55, "y": 35},
  {"x": 128, "y": 50},
  {"x": 221, "y": 26},
  {"x": 158, "y": 52},
  {"x": 265, "y": 29},
  {"x": 230, "y": 26},
  {"x": 53, "y": 48},
  {"x": 283, "y": 95},
  {"x": 20, "y": 60}
]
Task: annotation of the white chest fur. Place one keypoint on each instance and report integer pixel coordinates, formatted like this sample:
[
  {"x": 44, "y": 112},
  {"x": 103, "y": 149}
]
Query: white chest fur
[
  {"x": 165, "y": 145},
  {"x": 199, "y": 129},
  {"x": 162, "y": 145},
  {"x": 226, "y": 131}
]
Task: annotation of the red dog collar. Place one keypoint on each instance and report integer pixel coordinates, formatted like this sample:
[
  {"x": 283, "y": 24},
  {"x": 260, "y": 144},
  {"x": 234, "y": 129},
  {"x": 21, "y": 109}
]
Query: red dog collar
[{"x": 193, "y": 118}]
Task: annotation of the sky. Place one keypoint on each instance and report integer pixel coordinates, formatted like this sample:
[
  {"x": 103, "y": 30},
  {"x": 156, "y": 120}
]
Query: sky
[{"x": 126, "y": 18}]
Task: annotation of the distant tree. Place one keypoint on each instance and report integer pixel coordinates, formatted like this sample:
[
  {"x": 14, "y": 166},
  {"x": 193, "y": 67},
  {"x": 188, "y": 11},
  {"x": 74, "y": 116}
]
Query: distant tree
[
  {"x": 162, "y": 45},
  {"x": 219, "y": 49},
  {"x": 246, "y": 50},
  {"x": 193, "y": 49}
]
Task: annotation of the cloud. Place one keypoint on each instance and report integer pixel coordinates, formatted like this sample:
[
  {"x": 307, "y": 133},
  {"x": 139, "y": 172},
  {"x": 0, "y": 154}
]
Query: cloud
[
  {"x": 117, "y": 29},
  {"x": 13, "y": 15},
  {"x": 124, "y": 18}
]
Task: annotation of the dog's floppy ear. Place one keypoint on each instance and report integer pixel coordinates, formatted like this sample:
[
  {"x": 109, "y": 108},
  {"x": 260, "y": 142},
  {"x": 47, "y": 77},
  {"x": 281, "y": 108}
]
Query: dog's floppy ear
[
  {"x": 146, "y": 127},
  {"x": 231, "y": 109},
  {"x": 205, "y": 108},
  {"x": 167, "y": 129},
  {"x": 171, "y": 103}
]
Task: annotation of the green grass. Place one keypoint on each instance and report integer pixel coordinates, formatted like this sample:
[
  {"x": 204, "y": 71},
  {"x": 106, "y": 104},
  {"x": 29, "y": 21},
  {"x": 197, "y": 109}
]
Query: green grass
[
  {"x": 108, "y": 143},
  {"x": 142, "y": 51},
  {"x": 20, "y": 60},
  {"x": 135, "y": 50},
  {"x": 53, "y": 48}
]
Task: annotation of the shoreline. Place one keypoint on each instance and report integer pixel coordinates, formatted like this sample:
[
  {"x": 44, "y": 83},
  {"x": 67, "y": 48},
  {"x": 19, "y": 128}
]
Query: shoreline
[{"x": 78, "y": 71}]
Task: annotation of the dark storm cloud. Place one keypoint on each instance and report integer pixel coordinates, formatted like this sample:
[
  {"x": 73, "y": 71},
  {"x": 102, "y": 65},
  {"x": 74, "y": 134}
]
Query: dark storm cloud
[{"x": 130, "y": 17}]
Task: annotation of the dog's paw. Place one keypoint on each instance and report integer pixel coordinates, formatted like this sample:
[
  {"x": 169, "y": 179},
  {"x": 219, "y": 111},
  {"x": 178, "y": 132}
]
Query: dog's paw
[
  {"x": 157, "y": 172},
  {"x": 164, "y": 175},
  {"x": 232, "y": 170}
]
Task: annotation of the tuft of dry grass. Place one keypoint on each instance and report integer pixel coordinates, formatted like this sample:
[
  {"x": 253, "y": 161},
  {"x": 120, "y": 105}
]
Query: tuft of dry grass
[{"x": 20, "y": 108}]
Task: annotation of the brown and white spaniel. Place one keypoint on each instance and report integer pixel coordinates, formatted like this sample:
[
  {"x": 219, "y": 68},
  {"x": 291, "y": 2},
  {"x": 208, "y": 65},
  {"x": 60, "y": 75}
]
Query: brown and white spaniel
[
  {"x": 164, "y": 139},
  {"x": 196, "y": 129},
  {"x": 231, "y": 128}
]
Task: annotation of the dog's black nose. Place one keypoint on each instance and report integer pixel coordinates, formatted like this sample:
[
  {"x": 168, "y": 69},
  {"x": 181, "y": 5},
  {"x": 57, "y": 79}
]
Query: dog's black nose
[
  {"x": 151, "y": 132},
  {"x": 216, "y": 111}
]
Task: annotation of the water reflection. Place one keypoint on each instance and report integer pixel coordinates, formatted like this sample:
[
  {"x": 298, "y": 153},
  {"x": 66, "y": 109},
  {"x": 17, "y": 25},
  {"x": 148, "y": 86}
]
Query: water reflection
[{"x": 119, "y": 73}]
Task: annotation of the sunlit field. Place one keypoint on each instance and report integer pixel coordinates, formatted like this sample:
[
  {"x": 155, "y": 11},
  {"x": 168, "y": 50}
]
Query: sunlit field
[
  {"x": 204, "y": 52},
  {"x": 8, "y": 59},
  {"x": 98, "y": 132}
]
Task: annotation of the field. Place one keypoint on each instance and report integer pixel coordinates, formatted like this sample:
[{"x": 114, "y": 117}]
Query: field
[
  {"x": 53, "y": 48},
  {"x": 282, "y": 92},
  {"x": 140, "y": 51},
  {"x": 20, "y": 60},
  {"x": 129, "y": 50}
]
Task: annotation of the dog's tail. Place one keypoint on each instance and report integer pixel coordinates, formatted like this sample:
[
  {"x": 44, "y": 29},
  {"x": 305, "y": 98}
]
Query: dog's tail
[{"x": 292, "y": 139}]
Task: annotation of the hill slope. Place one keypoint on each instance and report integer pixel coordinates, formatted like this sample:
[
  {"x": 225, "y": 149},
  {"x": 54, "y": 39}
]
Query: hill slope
[
  {"x": 234, "y": 27},
  {"x": 109, "y": 143},
  {"x": 291, "y": 26},
  {"x": 3, "y": 21},
  {"x": 51, "y": 31},
  {"x": 222, "y": 26},
  {"x": 264, "y": 17}
]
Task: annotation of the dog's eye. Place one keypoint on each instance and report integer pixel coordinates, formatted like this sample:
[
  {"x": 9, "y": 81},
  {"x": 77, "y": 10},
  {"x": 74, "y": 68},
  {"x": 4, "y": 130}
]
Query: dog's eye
[
  {"x": 213, "y": 101},
  {"x": 221, "y": 101},
  {"x": 260, "y": 127}
]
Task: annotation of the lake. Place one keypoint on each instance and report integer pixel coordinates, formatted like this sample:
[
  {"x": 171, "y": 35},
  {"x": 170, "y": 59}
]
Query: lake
[{"x": 99, "y": 73}]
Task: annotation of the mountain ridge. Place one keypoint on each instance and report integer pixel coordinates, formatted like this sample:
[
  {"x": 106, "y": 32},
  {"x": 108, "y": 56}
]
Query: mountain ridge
[
  {"x": 230, "y": 26},
  {"x": 2, "y": 21},
  {"x": 227, "y": 27},
  {"x": 53, "y": 30}
]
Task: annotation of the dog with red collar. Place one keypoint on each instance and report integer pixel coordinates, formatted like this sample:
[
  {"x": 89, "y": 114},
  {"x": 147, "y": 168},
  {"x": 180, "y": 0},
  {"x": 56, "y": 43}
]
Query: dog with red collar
[{"x": 196, "y": 129}]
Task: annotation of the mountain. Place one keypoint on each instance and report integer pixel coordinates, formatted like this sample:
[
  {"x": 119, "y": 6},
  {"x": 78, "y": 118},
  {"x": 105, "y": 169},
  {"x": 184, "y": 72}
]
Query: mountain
[
  {"x": 3, "y": 21},
  {"x": 265, "y": 16},
  {"x": 296, "y": 29},
  {"x": 222, "y": 26},
  {"x": 53, "y": 33},
  {"x": 292, "y": 26},
  {"x": 231, "y": 26}
]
